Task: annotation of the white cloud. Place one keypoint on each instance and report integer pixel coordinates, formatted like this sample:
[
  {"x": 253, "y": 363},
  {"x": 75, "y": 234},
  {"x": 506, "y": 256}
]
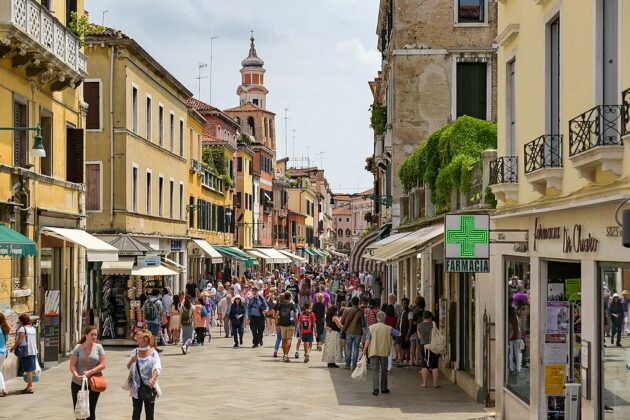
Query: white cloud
[{"x": 355, "y": 50}]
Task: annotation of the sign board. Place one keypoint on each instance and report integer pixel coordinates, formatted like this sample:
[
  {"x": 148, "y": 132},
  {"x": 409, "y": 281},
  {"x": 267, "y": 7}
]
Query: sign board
[
  {"x": 467, "y": 243},
  {"x": 554, "y": 379}
]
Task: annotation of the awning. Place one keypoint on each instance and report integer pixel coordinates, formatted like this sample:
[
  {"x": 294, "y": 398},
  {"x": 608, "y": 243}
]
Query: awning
[
  {"x": 237, "y": 254},
  {"x": 13, "y": 243},
  {"x": 294, "y": 257},
  {"x": 276, "y": 256},
  {"x": 256, "y": 254},
  {"x": 153, "y": 271},
  {"x": 318, "y": 253},
  {"x": 408, "y": 244},
  {"x": 337, "y": 254},
  {"x": 209, "y": 250},
  {"x": 173, "y": 265},
  {"x": 356, "y": 261},
  {"x": 309, "y": 252},
  {"x": 123, "y": 266},
  {"x": 97, "y": 250},
  {"x": 386, "y": 240}
]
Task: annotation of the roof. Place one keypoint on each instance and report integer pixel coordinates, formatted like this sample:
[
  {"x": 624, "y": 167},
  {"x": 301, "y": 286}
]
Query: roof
[
  {"x": 252, "y": 59},
  {"x": 204, "y": 108},
  {"x": 128, "y": 245},
  {"x": 249, "y": 107}
]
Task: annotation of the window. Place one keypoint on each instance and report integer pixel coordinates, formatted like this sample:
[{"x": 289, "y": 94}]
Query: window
[
  {"x": 250, "y": 166},
  {"x": 46, "y": 123},
  {"x": 553, "y": 76},
  {"x": 134, "y": 188},
  {"x": 191, "y": 141},
  {"x": 340, "y": 232},
  {"x": 347, "y": 220},
  {"x": 20, "y": 138},
  {"x": 199, "y": 147},
  {"x": 134, "y": 109},
  {"x": 161, "y": 126},
  {"x": 181, "y": 200},
  {"x": 239, "y": 164},
  {"x": 510, "y": 100},
  {"x": 471, "y": 11},
  {"x": 171, "y": 132},
  {"x": 94, "y": 186},
  {"x": 92, "y": 96},
  {"x": 74, "y": 155},
  {"x": 348, "y": 232},
  {"x": 181, "y": 137},
  {"x": 149, "y": 118},
  {"x": 471, "y": 90},
  {"x": 71, "y": 6},
  {"x": 252, "y": 126},
  {"x": 149, "y": 195},
  {"x": 161, "y": 195},
  {"x": 171, "y": 198}
]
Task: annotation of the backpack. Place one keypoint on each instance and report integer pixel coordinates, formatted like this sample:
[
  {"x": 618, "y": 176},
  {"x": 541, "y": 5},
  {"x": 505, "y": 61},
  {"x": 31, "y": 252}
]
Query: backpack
[
  {"x": 186, "y": 318},
  {"x": 204, "y": 312},
  {"x": 306, "y": 322},
  {"x": 150, "y": 310},
  {"x": 438, "y": 343},
  {"x": 285, "y": 314}
]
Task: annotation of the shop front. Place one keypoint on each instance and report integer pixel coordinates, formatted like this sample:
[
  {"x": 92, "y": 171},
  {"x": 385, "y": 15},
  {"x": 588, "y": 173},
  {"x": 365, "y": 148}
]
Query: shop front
[
  {"x": 574, "y": 264},
  {"x": 203, "y": 259}
]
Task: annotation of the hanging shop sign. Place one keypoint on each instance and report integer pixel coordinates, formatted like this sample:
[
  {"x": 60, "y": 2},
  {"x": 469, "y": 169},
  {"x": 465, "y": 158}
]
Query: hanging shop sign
[
  {"x": 467, "y": 243},
  {"x": 574, "y": 239}
]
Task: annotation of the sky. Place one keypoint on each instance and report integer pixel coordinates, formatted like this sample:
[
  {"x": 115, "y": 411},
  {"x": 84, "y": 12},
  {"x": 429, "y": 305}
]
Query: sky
[{"x": 319, "y": 56}]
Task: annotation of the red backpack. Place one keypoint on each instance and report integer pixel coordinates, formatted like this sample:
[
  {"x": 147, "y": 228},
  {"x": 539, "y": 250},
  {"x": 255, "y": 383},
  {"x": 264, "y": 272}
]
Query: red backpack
[{"x": 306, "y": 323}]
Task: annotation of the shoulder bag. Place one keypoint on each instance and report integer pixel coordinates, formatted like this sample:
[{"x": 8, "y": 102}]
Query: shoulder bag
[
  {"x": 97, "y": 381},
  {"x": 145, "y": 392},
  {"x": 21, "y": 350},
  {"x": 345, "y": 326}
]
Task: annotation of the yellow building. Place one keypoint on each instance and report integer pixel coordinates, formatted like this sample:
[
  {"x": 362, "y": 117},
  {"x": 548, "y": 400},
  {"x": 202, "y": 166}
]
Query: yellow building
[
  {"x": 139, "y": 139},
  {"x": 301, "y": 201},
  {"x": 244, "y": 198},
  {"x": 42, "y": 66},
  {"x": 562, "y": 171}
]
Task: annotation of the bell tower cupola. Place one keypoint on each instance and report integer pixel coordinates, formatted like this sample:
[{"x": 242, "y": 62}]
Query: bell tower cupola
[{"x": 252, "y": 88}]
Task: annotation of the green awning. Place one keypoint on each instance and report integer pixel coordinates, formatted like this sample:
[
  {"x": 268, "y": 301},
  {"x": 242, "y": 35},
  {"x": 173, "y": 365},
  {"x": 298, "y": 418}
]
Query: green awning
[
  {"x": 309, "y": 252},
  {"x": 14, "y": 244},
  {"x": 318, "y": 253},
  {"x": 235, "y": 253}
]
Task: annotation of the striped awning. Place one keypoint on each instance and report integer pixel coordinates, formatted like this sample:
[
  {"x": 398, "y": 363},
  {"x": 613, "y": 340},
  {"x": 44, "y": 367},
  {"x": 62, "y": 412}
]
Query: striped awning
[
  {"x": 407, "y": 245},
  {"x": 357, "y": 262}
]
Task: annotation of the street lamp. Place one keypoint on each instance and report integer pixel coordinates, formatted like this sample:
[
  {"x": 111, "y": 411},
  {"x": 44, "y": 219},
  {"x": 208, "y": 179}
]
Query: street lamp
[{"x": 38, "y": 145}]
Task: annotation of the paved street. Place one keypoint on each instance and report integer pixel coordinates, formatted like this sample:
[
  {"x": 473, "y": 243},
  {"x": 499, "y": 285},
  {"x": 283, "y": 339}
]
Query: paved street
[{"x": 235, "y": 383}]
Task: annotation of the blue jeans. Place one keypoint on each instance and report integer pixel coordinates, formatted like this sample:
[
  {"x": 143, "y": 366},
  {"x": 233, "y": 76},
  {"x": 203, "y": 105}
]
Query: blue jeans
[
  {"x": 278, "y": 339},
  {"x": 352, "y": 349}
]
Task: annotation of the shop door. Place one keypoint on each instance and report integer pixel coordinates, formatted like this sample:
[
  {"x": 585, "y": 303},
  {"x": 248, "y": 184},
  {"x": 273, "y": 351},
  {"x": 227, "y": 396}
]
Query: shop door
[
  {"x": 438, "y": 292},
  {"x": 466, "y": 322}
]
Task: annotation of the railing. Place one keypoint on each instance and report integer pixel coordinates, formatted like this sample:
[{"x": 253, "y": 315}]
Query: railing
[
  {"x": 599, "y": 126},
  {"x": 543, "y": 152},
  {"x": 38, "y": 23},
  {"x": 625, "y": 100},
  {"x": 504, "y": 170}
]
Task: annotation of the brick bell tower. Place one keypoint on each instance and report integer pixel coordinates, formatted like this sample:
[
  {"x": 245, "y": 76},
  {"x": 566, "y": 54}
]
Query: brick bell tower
[{"x": 252, "y": 88}]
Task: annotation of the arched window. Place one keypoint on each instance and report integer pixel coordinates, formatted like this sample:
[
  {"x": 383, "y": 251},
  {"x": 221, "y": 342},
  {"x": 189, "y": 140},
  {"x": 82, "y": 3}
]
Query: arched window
[
  {"x": 225, "y": 135},
  {"x": 340, "y": 232},
  {"x": 347, "y": 245},
  {"x": 348, "y": 232},
  {"x": 340, "y": 246},
  {"x": 252, "y": 126}
]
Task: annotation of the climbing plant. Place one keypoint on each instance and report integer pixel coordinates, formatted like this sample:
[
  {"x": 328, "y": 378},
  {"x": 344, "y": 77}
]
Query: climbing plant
[
  {"x": 445, "y": 159},
  {"x": 214, "y": 158},
  {"x": 81, "y": 27},
  {"x": 378, "y": 118}
]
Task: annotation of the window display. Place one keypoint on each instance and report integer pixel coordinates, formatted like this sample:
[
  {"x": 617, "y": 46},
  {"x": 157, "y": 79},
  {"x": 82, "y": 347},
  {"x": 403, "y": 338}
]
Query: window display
[{"x": 517, "y": 315}]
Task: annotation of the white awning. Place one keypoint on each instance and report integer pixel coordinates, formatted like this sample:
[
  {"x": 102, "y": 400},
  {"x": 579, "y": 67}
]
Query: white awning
[
  {"x": 121, "y": 267},
  {"x": 257, "y": 254},
  {"x": 291, "y": 255},
  {"x": 276, "y": 256},
  {"x": 405, "y": 245},
  {"x": 209, "y": 250},
  {"x": 172, "y": 264},
  {"x": 97, "y": 250},
  {"x": 153, "y": 271}
]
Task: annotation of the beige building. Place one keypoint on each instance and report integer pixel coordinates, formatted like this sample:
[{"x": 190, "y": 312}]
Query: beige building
[{"x": 137, "y": 147}]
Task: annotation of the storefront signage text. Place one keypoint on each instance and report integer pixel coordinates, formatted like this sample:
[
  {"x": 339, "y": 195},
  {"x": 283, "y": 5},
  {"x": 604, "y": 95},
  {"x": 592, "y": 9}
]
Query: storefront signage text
[
  {"x": 574, "y": 241},
  {"x": 614, "y": 232},
  {"x": 541, "y": 233},
  {"x": 467, "y": 243}
]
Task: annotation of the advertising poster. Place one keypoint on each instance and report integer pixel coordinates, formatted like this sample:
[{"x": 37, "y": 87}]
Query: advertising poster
[
  {"x": 555, "y": 408},
  {"x": 556, "y": 353},
  {"x": 572, "y": 289},
  {"x": 554, "y": 379},
  {"x": 557, "y": 317}
]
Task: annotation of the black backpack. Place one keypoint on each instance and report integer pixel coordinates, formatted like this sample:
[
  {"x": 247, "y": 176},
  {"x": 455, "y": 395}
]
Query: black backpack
[
  {"x": 150, "y": 310},
  {"x": 285, "y": 314}
]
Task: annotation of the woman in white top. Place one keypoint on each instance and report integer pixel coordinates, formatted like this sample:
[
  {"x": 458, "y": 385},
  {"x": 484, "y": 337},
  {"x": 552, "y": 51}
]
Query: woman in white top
[
  {"x": 27, "y": 339},
  {"x": 145, "y": 366}
]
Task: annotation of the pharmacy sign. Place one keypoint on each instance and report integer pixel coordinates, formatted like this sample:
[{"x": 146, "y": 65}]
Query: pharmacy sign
[{"x": 467, "y": 243}]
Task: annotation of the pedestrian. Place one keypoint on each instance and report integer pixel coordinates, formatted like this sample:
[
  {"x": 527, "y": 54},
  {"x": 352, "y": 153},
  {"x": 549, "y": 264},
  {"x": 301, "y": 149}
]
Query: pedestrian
[
  {"x": 4, "y": 340},
  {"x": 191, "y": 288},
  {"x": 319, "y": 309},
  {"x": 332, "y": 347},
  {"x": 430, "y": 359},
  {"x": 152, "y": 310},
  {"x": 286, "y": 318},
  {"x": 26, "y": 340},
  {"x": 615, "y": 310},
  {"x": 307, "y": 324},
  {"x": 277, "y": 327},
  {"x": 237, "y": 318},
  {"x": 145, "y": 367},
  {"x": 175, "y": 321},
  {"x": 87, "y": 360},
  {"x": 270, "y": 318},
  {"x": 352, "y": 321},
  {"x": 200, "y": 315},
  {"x": 378, "y": 345},
  {"x": 167, "y": 301},
  {"x": 402, "y": 341},
  {"x": 256, "y": 308},
  {"x": 187, "y": 324}
]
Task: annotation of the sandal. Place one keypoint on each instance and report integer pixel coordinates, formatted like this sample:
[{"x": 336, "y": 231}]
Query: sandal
[
  {"x": 436, "y": 386},
  {"x": 26, "y": 391}
]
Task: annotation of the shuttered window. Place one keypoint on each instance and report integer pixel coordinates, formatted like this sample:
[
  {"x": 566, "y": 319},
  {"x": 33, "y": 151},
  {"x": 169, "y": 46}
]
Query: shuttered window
[
  {"x": 92, "y": 95},
  {"x": 471, "y": 90},
  {"x": 93, "y": 180},
  {"x": 74, "y": 155},
  {"x": 20, "y": 138}
]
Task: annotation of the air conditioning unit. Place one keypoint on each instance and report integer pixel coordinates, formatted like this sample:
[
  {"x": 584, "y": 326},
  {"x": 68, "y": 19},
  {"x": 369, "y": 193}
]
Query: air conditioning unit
[{"x": 194, "y": 166}]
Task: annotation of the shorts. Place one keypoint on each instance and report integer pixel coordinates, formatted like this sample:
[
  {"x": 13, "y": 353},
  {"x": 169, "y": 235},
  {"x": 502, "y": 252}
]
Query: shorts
[
  {"x": 28, "y": 363},
  {"x": 286, "y": 332},
  {"x": 307, "y": 337},
  {"x": 153, "y": 328},
  {"x": 430, "y": 360}
]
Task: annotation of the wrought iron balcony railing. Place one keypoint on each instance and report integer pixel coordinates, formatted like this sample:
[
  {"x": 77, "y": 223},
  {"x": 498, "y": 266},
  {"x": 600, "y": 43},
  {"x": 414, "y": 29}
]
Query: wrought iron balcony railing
[
  {"x": 543, "y": 152},
  {"x": 625, "y": 98},
  {"x": 504, "y": 170},
  {"x": 599, "y": 126}
]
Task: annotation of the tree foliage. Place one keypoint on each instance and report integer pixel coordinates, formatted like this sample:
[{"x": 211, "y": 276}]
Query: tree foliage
[
  {"x": 378, "y": 118},
  {"x": 445, "y": 159},
  {"x": 81, "y": 27},
  {"x": 214, "y": 158}
]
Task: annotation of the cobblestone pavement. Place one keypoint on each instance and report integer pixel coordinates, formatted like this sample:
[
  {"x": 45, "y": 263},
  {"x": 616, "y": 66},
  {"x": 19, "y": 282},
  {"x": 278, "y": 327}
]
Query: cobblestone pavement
[{"x": 217, "y": 380}]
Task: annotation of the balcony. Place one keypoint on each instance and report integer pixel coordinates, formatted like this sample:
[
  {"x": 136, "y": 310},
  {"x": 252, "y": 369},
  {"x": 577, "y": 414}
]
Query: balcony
[
  {"x": 625, "y": 98},
  {"x": 195, "y": 166},
  {"x": 596, "y": 140},
  {"x": 504, "y": 178},
  {"x": 35, "y": 40},
  {"x": 543, "y": 164}
]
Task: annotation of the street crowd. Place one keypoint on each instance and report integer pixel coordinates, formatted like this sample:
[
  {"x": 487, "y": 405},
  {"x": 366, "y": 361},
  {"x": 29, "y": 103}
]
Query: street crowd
[{"x": 323, "y": 308}]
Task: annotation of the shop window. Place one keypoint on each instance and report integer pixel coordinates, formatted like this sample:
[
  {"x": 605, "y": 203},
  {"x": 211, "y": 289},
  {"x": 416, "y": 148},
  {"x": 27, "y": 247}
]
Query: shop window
[{"x": 517, "y": 327}]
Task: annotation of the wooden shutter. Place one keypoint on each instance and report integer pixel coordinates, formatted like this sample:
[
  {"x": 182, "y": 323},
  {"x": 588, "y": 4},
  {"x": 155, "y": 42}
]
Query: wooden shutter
[
  {"x": 74, "y": 155},
  {"x": 93, "y": 179},
  {"x": 91, "y": 95}
]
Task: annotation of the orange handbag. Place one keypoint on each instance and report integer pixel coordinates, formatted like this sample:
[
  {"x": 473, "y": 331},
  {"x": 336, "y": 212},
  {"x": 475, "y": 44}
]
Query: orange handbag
[{"x": 97, "y": 381}]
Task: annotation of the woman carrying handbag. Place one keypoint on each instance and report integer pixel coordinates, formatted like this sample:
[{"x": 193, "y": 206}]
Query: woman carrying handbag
[
  {"x": 87, "y": 361},
  {"x": 145, "y": 367}
]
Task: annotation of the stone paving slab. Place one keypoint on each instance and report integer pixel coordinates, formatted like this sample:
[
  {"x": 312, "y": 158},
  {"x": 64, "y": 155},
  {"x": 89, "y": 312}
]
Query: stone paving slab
[{"x": 216, "y": 380}]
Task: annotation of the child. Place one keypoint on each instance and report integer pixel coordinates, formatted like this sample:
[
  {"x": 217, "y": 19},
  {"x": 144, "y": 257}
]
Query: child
[{"x": 307, "y": 322}]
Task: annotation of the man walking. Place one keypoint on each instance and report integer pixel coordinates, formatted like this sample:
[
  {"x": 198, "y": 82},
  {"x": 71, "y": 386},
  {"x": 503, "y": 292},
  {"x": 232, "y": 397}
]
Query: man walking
[
  {"x": 378, "y": 346},
  {"x": 286, "y": 319},
  {"x": 352, "y": 321},
  {"x": 152, "y": 310},
  {"x": 256, "y": 308}
]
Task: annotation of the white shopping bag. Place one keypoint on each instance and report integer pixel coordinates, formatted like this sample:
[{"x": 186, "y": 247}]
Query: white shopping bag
[
  {"x": 360, "y": 373},
  {"x": 82, "y": 409}
]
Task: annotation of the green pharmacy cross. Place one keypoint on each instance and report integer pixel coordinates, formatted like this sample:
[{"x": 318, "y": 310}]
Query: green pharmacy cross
[{"x": 467, "y": 237}]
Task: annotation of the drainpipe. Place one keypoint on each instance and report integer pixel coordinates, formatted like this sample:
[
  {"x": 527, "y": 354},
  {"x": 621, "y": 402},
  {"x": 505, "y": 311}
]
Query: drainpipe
[{"x": 111, "y": 138}]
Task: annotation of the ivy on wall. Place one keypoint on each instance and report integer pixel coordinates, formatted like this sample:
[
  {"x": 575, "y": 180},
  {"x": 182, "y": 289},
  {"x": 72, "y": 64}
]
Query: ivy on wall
[
  {"x": 445, "y": 159},
  {"x": 214, "y": 158},
  {"x": 378, "y": 118}
]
